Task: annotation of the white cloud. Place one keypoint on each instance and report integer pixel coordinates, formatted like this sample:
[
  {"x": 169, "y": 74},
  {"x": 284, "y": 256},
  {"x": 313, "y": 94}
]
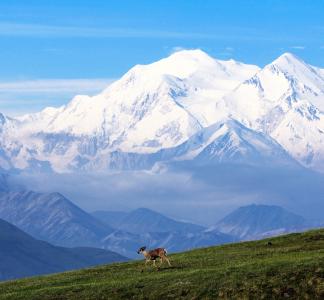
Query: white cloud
[
  {"x": 39, "y": 30},
  {"x": 298, "y": 47},
  {"x": 54, "y": 85},
  {"x": 173, "y": 193},
  {"x": 11, "y": 29},
  {"x": 229, "y": 49},
  {"x": 25, "y": 96},
  {"x": 226, "y": 53}
]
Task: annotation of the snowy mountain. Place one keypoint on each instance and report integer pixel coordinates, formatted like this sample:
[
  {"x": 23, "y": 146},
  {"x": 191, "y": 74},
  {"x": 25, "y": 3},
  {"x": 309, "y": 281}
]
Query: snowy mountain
[
  {"x": 270, "y": 113},
  {"x": 259, "y": 221},
  {"x": 53, "y": 218},
  {"x": 229, "y": 141},
  {"x": 22, "y": 255},
  {"x": 286, "y": 101}
]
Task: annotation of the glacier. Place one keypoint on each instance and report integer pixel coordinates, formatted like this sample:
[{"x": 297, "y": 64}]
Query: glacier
[{"x": 188, "y": 107}]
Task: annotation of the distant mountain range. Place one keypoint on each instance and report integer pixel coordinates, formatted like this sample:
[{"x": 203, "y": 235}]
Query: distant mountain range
[
  {"x": 3, "y": 182},
  {"x": 188, "y": 107},
  {"x": 22, "y": 255},
  {"x": 126, "y": 243},
  {"x": 55, "y": 219},
  {"x": 147, "y": 227},
  {"x": 110, "y": 218},
  {"x": 251, "y": 222}
]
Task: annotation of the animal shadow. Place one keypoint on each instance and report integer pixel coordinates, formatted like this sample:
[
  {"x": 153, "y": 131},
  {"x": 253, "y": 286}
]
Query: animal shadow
[{"x": 173, "y": 267}]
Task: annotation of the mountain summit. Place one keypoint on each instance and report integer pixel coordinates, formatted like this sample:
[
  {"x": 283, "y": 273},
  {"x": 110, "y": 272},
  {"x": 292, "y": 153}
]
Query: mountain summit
[
  {"x": 259, "y": 221},
  {"x": 286, "y": 101},
  {"x": 158, "y": 107}
]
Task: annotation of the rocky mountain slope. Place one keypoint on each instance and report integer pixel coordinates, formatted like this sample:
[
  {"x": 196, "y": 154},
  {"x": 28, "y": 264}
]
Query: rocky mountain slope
[
  {"x": 22, "y": 255},
  {"x": 259, "y": 221},
  {"x": 144, "y": 220},
  {"x": 52, "y": 217}
]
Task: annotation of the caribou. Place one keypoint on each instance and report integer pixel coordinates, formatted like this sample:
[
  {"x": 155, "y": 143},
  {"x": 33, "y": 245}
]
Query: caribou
[{"x": 152, "y": 255}]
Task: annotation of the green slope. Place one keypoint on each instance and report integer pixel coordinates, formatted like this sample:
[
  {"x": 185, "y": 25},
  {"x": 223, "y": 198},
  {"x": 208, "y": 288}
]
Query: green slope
[{"x": 293, "y": 267}]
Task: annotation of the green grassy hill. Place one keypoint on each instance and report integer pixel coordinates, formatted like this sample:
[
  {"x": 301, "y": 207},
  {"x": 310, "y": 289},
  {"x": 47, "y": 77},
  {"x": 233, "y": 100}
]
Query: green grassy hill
[{"x": 292, "y": 267}]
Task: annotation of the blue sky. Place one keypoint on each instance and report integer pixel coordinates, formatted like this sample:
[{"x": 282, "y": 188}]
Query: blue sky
[{"x": 46, "y": 47}]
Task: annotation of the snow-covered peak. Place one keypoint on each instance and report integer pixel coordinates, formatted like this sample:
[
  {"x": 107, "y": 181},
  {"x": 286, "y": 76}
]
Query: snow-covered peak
[
  {"x": 188, "y": 64},
  {"x": 278, "y": 86},
  {"x": 298, "y": 73},
  {"x": 168, "y": 90},
  {"x": 196, "y": 54},
  {"x": 184, "y": 63},
  {"x": 180, "y": 64},
  {"x": 285, "y": 100},
  {"x": 181, "y": 100},
  {"x": 288, "y": 59},
  {"x": 230, "y": 141}
]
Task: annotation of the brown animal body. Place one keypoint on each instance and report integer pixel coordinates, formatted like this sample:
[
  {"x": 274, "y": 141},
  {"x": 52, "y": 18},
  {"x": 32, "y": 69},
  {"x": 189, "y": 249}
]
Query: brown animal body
[{"x": 152, "y": 255}]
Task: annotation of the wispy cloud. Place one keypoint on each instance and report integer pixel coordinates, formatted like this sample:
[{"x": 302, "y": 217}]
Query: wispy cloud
[
  {"x": 55, "y": 85},
  {"x": 227, "y": 52},
  {"x": 24, "y": 96},
  {"x": 229, "y": 49},
  {"x": 298, "y": 47},
  {"x": 200, "y": 194},
  {"x": 173, "y": 193},
  {"x": 12, "y": 29},
  {"x": 39, "y": 30}
]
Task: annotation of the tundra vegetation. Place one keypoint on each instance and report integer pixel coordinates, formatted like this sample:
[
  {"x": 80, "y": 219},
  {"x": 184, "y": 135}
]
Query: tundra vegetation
[{"x": 290, "y": 266}]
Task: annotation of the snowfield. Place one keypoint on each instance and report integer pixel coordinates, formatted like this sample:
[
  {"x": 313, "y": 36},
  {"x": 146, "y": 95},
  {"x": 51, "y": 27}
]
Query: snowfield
[{"x": 188, "y": 106}]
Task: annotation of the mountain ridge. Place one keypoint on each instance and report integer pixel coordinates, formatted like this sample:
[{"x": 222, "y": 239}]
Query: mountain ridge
[
  {"x": 22, "y": 255},
  {"x": 254, "y": 221},
  {"x": 52, "y": 217},
  {"x": 162, "y": 105}
]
